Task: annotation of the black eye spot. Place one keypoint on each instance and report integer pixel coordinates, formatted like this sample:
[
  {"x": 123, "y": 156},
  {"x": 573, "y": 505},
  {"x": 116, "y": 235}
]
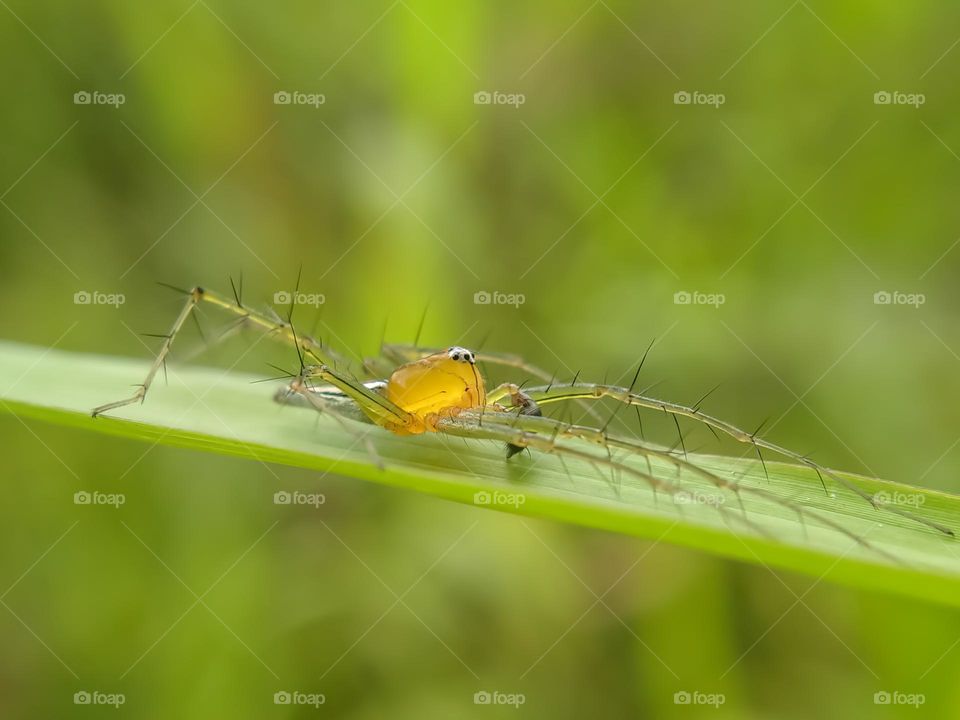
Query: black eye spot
[{"x": 456, "y": 356}]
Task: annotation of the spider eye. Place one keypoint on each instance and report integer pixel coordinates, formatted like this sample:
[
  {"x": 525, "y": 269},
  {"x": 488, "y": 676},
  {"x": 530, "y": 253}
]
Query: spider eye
[{"x": 460, "y": 354}]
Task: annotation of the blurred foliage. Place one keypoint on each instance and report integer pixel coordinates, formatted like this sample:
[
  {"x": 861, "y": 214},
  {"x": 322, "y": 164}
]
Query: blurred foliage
[{"x": 199, "y": 175}]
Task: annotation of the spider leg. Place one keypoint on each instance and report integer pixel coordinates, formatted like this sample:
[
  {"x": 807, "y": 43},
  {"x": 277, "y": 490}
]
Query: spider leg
[
  {"x": 328, "y": 404},
  {"x": 276, "y": 326},
  {"x": 589, "y": 391},
  {"x": 556, "y": 430},
  {"x": 378, "y": 366},
  {"x": 497, "y": 425},
  {"x": 272, "y": 324},
  {"x": 368, "y": 399},
  {"x": 506, "y": 390},
  {"x": 232, "y": 329},
  {"x": 332, "y": 399},
  {"x": 550, "y": 437}
]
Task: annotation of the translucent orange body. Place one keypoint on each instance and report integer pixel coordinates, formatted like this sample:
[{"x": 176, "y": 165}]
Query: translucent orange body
[{"x": 439, "y": 385}]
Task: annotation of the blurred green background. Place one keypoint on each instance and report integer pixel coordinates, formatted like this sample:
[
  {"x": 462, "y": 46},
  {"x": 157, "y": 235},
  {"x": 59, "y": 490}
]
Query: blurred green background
[{"x": 598, "y": 199}]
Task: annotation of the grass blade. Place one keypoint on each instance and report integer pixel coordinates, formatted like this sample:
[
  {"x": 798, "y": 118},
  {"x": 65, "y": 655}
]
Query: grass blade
[{"x": 212, "y": 410}]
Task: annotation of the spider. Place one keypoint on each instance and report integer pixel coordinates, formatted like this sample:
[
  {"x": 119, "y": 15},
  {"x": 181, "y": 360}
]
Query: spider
[{"x": 443, "y": 391}]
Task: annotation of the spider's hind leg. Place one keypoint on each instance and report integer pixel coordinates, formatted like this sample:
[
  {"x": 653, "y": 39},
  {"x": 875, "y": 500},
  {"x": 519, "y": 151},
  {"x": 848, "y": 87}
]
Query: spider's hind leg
[
  {"x": 341, "y": 408},
  {"x": 193, "y": 299},
  {"x": 272, "y": 325},
  {"x": 323, "y": 397}
]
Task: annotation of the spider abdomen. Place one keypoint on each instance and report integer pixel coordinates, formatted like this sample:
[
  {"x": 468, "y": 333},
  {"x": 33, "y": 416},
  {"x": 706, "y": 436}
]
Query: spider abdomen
[{"x": 439, "y": 385}]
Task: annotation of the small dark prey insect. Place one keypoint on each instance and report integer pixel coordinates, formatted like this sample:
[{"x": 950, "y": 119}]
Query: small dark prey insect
[{"x": 442, "y": 391}]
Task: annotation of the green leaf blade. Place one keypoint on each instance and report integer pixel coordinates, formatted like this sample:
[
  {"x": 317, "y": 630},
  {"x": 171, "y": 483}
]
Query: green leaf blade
[{"x": 215, "y": 411}]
